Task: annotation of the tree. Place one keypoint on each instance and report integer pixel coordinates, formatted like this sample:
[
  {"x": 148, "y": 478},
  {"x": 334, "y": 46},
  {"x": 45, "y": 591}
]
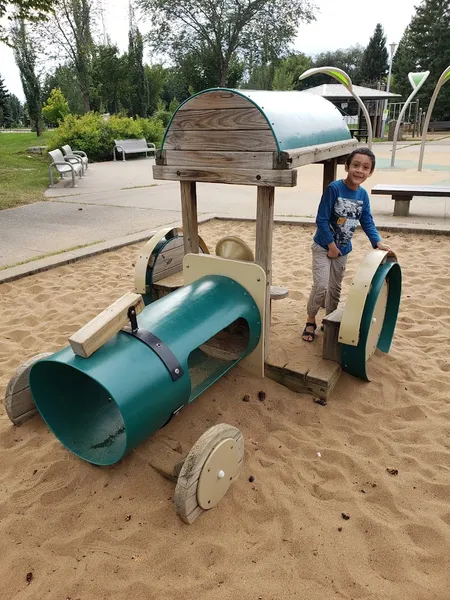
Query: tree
[
  {"x": 56, "y": 107},
  {"x": 68, "y": 33},
  {"x": 25, "y": 56},
  {"x": 348, "y": 59},
  {"x": 16, "y": 110},
  {"x": 64, "y": 77},
  {"x": 136, "y": 73},
  {"x": 110, "y": 78},
  {"x": 229, "y": 30},
  {"x": 5, "y": 110},
  {"x": 31, "y": 10},
  {"x": 156, "y": 76},
  {"x": 374, "y": 65},
  {"x": 403, "y": 63},
  {"x": 428, "y": 40}
]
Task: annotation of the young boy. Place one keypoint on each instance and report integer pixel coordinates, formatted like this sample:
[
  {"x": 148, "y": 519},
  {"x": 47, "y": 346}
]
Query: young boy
[{"x": 344, "y": 204}]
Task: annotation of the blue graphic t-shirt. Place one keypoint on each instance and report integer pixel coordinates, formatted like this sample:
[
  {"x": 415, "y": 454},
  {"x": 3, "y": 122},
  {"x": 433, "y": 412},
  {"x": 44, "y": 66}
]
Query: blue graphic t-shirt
[{"x": 340, "y": 212}]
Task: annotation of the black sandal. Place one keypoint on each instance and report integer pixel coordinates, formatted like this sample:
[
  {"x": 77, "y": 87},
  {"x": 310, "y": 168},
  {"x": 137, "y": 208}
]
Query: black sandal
[{"x": 312, "y": 334}]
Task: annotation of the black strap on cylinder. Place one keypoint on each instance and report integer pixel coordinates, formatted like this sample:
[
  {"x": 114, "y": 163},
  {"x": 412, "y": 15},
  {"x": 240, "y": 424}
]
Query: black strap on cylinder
[{"x": 158, "y": 346}]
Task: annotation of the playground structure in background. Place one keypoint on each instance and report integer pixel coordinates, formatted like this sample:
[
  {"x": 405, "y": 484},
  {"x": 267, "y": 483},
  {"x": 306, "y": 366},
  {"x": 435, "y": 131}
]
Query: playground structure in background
[{"x": 194, "y": 316}]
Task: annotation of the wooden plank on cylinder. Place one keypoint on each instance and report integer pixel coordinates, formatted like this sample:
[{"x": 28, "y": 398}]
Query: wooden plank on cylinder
[
  {"x": 189, "y": 215},
  {"x": 217, "y": 99},
  {"x": 219, "y": 119},
  {"x": 329, "y": 172},
  {"x": 263, "y": 178},
  {"x": 198, "y": 158},
  {"x": 298, "y": 157},
  {"x": 245, "y": 140},
  {"x": 101, "y": 328},
  {"x": 263, "y": 250}
]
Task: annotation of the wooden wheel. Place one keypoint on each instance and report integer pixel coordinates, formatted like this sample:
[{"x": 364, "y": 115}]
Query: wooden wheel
[
  {"x": 19, "y": 403},
  {"x": 211, "y": 466}
]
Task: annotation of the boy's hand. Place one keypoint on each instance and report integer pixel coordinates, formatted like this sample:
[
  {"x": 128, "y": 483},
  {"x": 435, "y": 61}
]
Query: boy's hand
[
  {"x": 333, "y": 251},
  {"x": 384, "y": 247}
]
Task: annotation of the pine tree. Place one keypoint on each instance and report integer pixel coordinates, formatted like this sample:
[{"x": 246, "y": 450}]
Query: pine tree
[
  {"x": 137, "y": 80},
  {"x": 404, "y": 62},
  {"x": 5, "y": 112},
  {"x": 374, "y": 65},
  {"x": 429, "y": 40}
]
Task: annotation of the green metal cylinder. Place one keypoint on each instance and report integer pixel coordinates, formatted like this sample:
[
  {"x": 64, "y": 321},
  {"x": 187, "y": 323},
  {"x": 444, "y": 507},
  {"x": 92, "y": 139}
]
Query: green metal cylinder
[{"x": 103, "y": 406}]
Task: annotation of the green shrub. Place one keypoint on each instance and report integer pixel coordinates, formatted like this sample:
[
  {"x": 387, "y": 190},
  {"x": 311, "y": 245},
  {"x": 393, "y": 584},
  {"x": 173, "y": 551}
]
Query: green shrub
[{"x": 95, "y": 136}]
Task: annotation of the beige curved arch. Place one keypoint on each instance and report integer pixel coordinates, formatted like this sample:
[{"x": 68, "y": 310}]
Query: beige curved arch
[
  {"x": 357, "y": 295},
  {"x": 140, "y": 271}
]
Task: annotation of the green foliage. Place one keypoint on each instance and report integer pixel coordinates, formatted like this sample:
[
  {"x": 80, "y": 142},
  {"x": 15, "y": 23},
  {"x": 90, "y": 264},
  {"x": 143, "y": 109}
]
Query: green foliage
[
  {"x": 156, "y": 76},
  {"x": 95, "y": 135},
  {"x": 138, "y": 86},
  {"x": 31, "y": 10},
  {"x": 283, "y": 78},
  {"x": 109, "y": 79},
  {"x": 374, "y": 65},
  {"x": 56, "y": 107},
  {"x": 64, "y": 77},
  {"x": 16, "y": 111},
  {"x": 161, "y": 113},
  {"x": 425, "y": 46},
  {"x": 229, "y": 32},
  {"x": 5, "y": 108},
  {"x": 348, "y": 59},
  {"x": 25, "y": 56}
]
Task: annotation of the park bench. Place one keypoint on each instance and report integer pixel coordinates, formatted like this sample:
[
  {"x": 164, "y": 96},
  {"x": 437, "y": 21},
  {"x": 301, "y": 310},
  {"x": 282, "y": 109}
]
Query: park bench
[
  {"x": 403, "y": 194},
  {"x": 75, "y": 156},
  {"x": 361, "y": 135},
  {"x": 439, "y": 126},
  {"x": 133, "y": 147},
  {"x": 64, "y": 166}
]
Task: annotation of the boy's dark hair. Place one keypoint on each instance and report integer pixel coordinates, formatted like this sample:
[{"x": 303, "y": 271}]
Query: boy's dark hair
[{"x": 364, "y": 151}]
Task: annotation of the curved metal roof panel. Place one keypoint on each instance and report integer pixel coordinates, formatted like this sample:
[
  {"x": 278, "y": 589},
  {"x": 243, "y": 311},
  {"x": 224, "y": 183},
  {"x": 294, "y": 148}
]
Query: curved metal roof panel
[{"x": 299, "y": 119}]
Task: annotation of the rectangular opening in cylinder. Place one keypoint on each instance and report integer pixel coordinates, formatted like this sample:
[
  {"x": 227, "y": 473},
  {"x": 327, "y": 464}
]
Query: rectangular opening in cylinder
[{"x": 216, "y": 356}]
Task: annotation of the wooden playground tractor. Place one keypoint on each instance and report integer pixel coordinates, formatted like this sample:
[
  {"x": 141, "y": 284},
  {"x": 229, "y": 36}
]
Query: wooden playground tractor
[{"x": 122, "y": 383}]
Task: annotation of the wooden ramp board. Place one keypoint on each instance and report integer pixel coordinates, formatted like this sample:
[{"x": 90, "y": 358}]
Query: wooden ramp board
[{"x": 296, "y": 364}]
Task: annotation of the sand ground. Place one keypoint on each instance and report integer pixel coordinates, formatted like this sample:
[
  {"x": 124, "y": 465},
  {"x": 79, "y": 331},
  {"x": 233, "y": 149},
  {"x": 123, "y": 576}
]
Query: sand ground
[{"x": 89, "y": 533}]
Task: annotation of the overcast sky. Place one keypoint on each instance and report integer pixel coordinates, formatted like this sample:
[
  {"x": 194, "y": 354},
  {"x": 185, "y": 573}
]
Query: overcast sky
[{"x": 337, "y": 25}]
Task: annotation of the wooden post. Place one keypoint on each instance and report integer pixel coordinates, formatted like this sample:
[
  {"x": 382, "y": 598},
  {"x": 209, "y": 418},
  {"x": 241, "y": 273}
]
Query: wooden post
[
  {"x": 329, "y": 172},
  {"x": 189, "y": 216},
  {"x": 263, "y": 254}
]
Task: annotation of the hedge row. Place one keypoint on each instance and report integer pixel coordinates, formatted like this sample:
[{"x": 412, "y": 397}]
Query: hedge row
[{"x": 95, "y": 135}]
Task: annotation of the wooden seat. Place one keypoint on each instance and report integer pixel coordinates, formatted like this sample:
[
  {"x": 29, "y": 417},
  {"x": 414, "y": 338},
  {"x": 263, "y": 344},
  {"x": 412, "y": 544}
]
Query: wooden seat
[{"x": 403, "y": 194}]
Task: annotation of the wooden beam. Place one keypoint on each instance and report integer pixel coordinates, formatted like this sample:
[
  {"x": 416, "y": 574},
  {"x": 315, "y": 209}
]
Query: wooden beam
[
  {"x": 329, "y": 172},
  {"x": 257, "y": 177},
  {"x": 314, "y": 154},
  {"x": 219, "y": 119},
  {"x": 263, "y": 250},
  {"x": 101, "y": 328},
  {"x": 247, "y": 141},
  {"x": 320, "y": 383},
  {"x": 200, "y": 159},
  {"x": 189, "y": 215}
]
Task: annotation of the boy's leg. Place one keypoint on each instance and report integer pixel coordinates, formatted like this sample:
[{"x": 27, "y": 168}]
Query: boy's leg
[
  {"x": 321, "y": 274},
  {"x": 337, "y": 271}
]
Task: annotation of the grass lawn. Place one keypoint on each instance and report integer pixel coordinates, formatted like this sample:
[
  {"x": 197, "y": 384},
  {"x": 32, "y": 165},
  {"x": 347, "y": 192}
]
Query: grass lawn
[{"x": 23, "y": 176}]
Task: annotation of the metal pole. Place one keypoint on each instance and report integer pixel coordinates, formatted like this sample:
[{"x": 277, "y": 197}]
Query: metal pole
[
  {"x": 439, "y": 84},
  {"x": 392, "y": 47}
]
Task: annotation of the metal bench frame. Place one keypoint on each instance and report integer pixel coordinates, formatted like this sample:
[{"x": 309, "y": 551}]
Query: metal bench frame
[{"x": 143, "y": 147}]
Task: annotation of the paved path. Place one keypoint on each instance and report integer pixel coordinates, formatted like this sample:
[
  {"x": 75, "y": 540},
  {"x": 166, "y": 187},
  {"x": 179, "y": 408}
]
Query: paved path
[{"x": 117, "y": 199}]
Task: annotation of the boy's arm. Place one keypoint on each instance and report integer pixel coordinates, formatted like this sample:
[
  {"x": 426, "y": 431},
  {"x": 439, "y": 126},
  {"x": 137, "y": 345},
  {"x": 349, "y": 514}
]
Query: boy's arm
[
  {"x": 368, "y": 224},
  {"x": 324, "y": 215}
]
